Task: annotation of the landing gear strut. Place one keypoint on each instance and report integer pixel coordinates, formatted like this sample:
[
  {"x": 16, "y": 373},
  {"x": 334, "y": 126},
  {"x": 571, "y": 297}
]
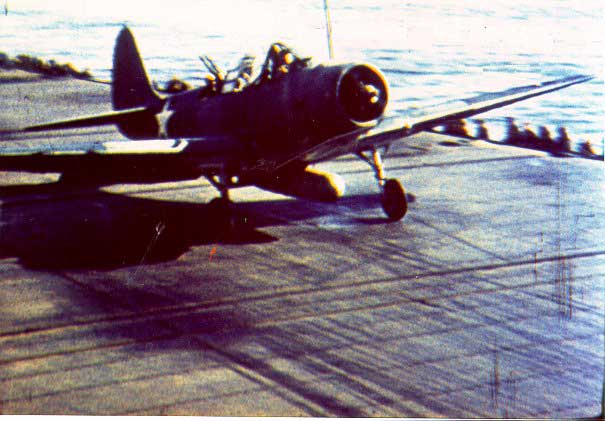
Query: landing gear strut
[
  {"x": 393, "y": 199},
  {"x": 222, "y": 208}
]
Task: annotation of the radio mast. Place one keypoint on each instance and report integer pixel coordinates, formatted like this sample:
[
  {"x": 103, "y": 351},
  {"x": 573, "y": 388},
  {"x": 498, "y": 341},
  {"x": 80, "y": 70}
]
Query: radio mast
[{"x": 328, "y": 29}]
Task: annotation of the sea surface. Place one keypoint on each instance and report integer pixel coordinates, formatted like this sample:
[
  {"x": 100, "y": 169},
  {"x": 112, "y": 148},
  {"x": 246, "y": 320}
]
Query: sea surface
[{"x": 430, "y": 51}]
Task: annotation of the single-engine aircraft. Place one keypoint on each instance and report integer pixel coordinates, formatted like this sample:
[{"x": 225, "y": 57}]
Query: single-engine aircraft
[{"x": 264, "y": 131}]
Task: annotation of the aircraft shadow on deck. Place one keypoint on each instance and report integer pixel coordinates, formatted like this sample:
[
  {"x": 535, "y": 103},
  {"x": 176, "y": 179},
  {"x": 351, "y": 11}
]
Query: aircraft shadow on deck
[
  {"x": 104, "y": 231},
  {"x": 57, "y": 229}
]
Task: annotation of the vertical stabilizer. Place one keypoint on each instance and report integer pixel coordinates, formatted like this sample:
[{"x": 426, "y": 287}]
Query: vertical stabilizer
[{"x": 130, "y": 87}]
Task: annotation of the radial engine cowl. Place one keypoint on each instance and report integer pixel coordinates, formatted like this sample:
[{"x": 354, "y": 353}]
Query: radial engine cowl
[{"x": 362, "y": 93}]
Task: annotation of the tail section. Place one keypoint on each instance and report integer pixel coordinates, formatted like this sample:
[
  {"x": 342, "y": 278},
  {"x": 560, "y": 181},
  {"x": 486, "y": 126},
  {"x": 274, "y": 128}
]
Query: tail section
[
  {"x": 131, "y": 89},
  {"x": 134, "y": 101}
]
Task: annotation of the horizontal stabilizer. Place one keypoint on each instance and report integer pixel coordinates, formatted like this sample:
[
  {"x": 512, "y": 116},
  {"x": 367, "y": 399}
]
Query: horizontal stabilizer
[
  {"x": 115, "y": 117},
  {"x": 133, "y": 98}
]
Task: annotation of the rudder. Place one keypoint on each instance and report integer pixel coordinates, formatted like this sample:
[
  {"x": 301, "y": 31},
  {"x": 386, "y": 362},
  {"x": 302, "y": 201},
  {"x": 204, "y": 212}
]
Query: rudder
[{"x": 130, "y": 88}]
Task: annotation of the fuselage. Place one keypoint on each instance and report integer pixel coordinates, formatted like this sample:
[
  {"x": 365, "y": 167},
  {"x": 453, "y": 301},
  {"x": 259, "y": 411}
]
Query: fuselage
[{"x": 291, "y": 112}]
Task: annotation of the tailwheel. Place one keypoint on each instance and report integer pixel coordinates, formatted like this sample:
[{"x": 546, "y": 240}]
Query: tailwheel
[{"x": 394, "y": 202}]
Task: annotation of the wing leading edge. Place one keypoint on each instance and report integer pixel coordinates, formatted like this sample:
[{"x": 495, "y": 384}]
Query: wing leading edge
[
  {"x": 391, "y": 129},
  {"x": 491, "y": 101}
]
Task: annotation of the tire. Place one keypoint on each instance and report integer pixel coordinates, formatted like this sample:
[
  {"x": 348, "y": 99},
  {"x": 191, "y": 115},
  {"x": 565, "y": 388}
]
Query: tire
[{"x": 394, "y": 202}]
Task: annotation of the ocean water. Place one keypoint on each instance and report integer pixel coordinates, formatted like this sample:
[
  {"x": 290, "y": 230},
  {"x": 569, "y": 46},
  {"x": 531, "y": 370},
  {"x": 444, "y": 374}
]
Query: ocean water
[{"x": 430, "y": 51}]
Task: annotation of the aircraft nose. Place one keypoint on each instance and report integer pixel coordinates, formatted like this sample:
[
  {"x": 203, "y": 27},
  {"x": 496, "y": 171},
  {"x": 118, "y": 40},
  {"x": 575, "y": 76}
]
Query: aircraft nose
[{"x": 363, "y": 93}]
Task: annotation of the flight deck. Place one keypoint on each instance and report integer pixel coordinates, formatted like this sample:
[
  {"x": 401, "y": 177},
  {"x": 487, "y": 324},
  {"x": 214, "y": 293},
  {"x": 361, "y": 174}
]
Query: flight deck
[{"x": 486, "y": 300}]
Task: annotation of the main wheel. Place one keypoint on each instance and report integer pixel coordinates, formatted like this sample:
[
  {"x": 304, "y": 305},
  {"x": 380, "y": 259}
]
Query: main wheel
[{"x": 394, "y": 202}]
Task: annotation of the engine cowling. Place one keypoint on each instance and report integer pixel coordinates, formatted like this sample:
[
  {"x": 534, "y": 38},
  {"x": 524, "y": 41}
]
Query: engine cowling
[
  {"x": 310, "y": 184},
  {"x": 327, "y": 100},
  {"x": 362, "y": 93}
]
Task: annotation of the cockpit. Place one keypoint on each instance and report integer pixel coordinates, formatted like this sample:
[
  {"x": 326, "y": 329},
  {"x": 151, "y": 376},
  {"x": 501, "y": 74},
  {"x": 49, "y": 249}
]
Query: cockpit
[{"x": 280, "y": 60}]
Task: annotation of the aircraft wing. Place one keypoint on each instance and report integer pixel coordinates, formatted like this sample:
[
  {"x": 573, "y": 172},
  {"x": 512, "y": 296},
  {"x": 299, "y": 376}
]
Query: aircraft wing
[
  {"x": 389, "y": 130},
  {"x": 164, "y": 158}
]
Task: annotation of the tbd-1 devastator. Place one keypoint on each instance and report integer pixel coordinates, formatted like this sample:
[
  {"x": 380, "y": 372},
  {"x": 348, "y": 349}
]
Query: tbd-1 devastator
[{"x": 264, "y": 131}]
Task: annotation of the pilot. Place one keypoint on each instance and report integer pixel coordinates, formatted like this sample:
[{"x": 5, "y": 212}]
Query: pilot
[
  {"x": 285, "y": 60},
  {"x": 281, "y": 58},
  {"x": 278, "y": 62}
]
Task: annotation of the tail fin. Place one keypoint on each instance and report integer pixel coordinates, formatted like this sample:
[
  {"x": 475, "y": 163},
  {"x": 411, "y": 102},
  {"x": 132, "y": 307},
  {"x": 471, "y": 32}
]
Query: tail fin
[{"x": 131, "y": 89}]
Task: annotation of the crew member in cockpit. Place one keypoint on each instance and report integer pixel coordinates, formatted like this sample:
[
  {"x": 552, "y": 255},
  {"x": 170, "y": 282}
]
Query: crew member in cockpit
[{"x": 280, "y": 59}]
